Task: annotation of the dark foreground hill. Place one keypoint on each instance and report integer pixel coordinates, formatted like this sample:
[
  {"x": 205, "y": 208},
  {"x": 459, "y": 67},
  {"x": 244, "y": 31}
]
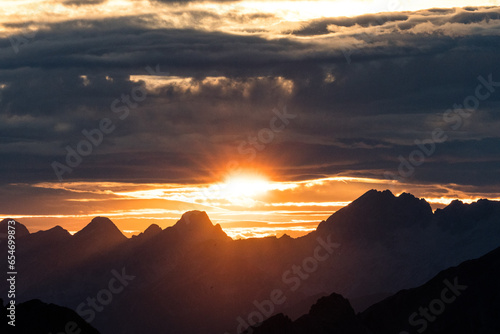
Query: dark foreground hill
[
  {"x": 459, "y": 300},
  {"x": 36, "y": 317}
]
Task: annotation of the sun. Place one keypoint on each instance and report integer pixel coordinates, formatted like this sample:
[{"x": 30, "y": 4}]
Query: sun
[{"x": 245, "y": 186}]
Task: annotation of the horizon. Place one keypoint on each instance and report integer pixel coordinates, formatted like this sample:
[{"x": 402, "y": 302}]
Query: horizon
[{"x": 236, "y": 233}]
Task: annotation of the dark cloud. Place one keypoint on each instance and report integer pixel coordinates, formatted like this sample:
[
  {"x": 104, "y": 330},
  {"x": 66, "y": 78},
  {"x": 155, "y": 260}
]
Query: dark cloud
[
  {"x": 436, "y": 17},
  {"x": 406, "y": 70},
  {"x": 474, "y": 17},
  {"x": 186, "y": 1},
  {"x": 83, "y": 2},
  {"x": 318, "y": 27}
]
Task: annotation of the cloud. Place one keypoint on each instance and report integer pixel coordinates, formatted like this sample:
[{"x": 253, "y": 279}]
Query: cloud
[
  {"x": 83, "y": 2},
  {"x": 324, "y": 26},
  {"x": 406, "y": 70}
]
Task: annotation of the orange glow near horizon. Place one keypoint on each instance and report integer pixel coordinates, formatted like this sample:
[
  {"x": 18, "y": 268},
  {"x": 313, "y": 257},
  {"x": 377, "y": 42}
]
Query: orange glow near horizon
[{"x": 246, "y": 204}]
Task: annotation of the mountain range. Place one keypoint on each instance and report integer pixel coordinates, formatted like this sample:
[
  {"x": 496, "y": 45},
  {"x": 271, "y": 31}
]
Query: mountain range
[
  {"x": 459, "y": 300},
  {"x": 35, "y": 316},
  {"x": 193, "y": 278}
]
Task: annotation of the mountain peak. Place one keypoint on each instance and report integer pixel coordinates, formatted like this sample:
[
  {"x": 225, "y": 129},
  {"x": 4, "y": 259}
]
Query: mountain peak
[
  {"x": 377, "y": 213},
  {"x": 21, "y": 230},
  {"x": 194, "y": 219},
  {"x": 101, "y": 227},
  {"x": 101, "y": 221},
  {"x": 459, "y": 216},
  {"x": 374, "y": 193},
  {"x": 153, "y": 229},
  {"x": 197, "y": 223},
  {"x": 56, "y": 232},
  {"x": 331, "y": 314},
  {"x": 148, "y": 233},
  {"x": 335, "y": 308}
]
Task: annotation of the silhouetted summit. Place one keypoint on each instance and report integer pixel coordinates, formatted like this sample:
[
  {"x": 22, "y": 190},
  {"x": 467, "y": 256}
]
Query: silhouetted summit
[
  {"x": 152, "y": 230},
  {"x": 196, "y": 224},
  {"x": 376, "y": 214},
  {"x": 35, "y": 316},
  {"x": 331, "y": 314},
  {"x": 55, "y": 233},
  {"x": 21, "y": 230},
  {"x": 195, "y": 219},
  {"x": 101, "y": 227},
  {"x": 458, "y": 216},
  {"x": 150, "y": 233},
  {"x": 99, "y": 236}
]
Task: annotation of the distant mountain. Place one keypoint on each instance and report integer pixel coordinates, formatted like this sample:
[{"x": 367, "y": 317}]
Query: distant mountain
[
  {"x": 196, "y": 226},
  {"x": 391, "y": 243},
  {"x": 332, "y": 314},
  {"x": 148, "y": 233},
  {"x": 377, "y": 216},
  {"x": 459, "y": 300},
  {"x": 459, "y": 217},
  {"x": 55, "y": 235},
  {"x": 35, "y": 316},
  {"x": 102, "y": 231},
  {"x": 193, "y": 278},
  {"x": 21, "y": 230}
]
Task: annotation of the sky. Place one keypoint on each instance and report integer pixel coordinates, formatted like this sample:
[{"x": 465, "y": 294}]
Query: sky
[{"x": 269, "y": 115}]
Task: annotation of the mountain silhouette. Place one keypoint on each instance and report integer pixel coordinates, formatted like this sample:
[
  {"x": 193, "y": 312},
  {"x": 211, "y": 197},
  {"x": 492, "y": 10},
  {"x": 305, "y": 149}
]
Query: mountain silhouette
[
  {"x": 21, "y": 230},
  {"x": 376, "y": 215},
  {"x": 152, "y": 230},
  {"x": 35, "y": 316},
  {"x": 459, "y": 300},
  {"x": 196, "y": 225},
  {"x": 100, "y": 228},
  {"x": 39, "y": 239},
  {"x": 331, "y": 314},
  {"x": 192, "y": 278}
]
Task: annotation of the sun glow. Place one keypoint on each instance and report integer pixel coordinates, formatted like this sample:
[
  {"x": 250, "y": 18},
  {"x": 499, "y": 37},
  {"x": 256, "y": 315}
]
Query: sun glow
[{"x": 244, "y": 185}]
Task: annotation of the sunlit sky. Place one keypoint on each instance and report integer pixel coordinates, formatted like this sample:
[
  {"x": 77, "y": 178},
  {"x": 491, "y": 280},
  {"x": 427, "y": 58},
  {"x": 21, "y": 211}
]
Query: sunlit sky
[
  {"x": 361, "y": 89},
  {"x": 272, "y": 17},
  {"x": 245, "y": 204}
]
